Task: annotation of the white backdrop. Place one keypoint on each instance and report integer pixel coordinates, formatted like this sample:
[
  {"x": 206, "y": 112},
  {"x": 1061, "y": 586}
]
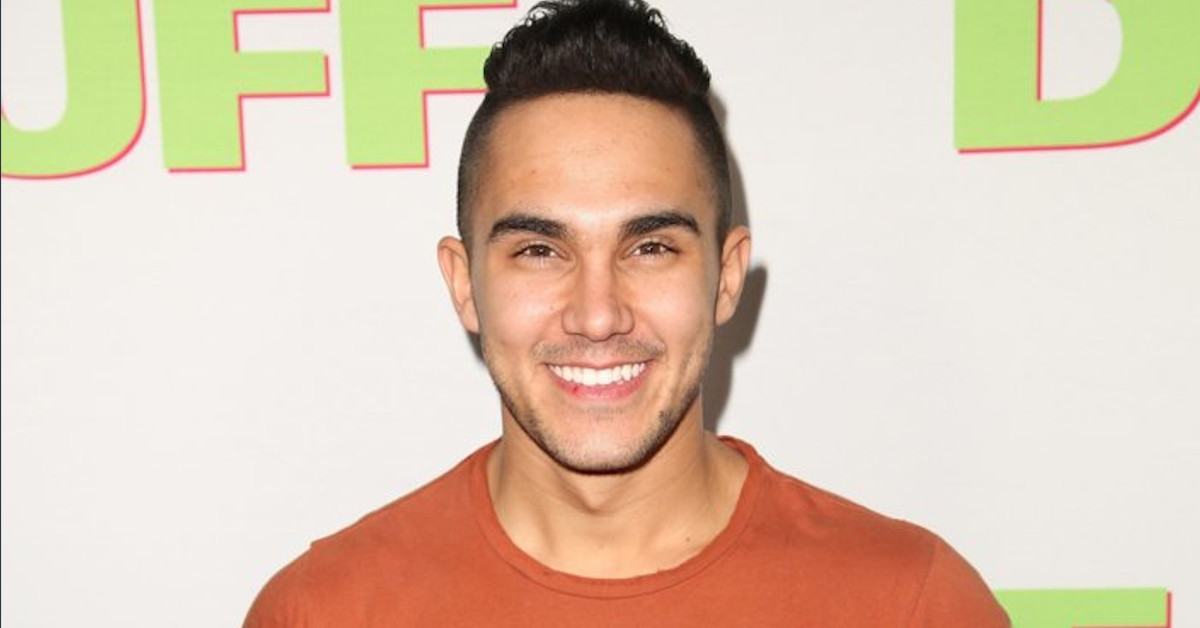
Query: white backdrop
[{"x": 204, "y": 372}]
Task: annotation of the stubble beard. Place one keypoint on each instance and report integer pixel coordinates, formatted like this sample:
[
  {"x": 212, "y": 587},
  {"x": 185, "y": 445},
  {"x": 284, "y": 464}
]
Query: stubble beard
[{"x": 631, "y": 458}]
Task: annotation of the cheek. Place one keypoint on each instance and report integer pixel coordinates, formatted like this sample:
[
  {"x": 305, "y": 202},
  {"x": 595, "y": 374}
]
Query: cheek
[
  {"x": 515, "y": 313},
  {"x": 679, "y": 310}
]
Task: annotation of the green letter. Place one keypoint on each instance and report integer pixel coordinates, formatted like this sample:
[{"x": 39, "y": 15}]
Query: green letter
[
  {"x": 387, "y": 71},
  {"x": 105, "y": 103},
  {"x": 1087, "y": 607},
  {"x": 1156, "y": 84},
  {"x": 203, "y": 77}
]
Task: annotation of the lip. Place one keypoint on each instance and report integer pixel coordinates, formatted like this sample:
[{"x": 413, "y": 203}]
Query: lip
[{"x": 600, "y": 392}]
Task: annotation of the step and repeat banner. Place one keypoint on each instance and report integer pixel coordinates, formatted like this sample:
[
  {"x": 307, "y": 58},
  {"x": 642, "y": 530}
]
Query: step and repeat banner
[{"x": 974, "y": 303}]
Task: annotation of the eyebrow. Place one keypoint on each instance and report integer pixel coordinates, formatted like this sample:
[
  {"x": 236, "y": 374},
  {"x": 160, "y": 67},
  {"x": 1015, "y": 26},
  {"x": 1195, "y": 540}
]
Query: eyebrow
[
  {"x": 527, "y": 223},
  {"x": 547, "y": 228},
  {"x": 650, "y": 223}
]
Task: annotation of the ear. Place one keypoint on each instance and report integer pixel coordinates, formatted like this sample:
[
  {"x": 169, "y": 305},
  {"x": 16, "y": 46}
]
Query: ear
[
  {"x": 735, "y": 262},
  {"x": 456, "y": 270}
]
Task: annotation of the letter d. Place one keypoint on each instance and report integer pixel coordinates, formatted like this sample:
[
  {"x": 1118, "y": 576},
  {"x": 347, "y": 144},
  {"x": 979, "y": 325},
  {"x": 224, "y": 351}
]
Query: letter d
[{"x": 1156, "y": 83}]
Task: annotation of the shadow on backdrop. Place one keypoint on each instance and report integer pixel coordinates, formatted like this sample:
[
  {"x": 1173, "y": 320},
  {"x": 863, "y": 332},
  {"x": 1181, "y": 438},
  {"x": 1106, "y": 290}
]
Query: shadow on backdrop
[{"x": 735, "y": 336}]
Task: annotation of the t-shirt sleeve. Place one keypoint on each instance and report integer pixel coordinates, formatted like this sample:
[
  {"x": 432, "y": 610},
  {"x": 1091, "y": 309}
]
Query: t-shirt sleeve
[
  {"x": 955, "y": 596},
  {"x": 280, "y": 603}
]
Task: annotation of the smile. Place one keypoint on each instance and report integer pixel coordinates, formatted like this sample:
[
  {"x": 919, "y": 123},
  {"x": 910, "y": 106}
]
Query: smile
[{"x": 585, "y": 376}]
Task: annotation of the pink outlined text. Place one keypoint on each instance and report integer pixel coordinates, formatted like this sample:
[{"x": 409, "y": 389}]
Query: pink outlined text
[
  {"x": 137, "y": 135},
  {"x": 1041, "y": 5},
  {"x": 425, "y": 94},
  {"x": 1167, "y": 625},
  {"x": 237, "y": 48}
]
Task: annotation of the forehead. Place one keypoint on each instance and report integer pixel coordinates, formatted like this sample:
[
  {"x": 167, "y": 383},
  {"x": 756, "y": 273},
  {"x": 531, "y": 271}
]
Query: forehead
[{"x": 591, "y": 158}]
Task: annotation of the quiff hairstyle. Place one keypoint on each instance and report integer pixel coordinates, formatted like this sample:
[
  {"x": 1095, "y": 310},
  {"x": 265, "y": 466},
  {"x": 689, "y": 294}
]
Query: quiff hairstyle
[{"x": 595, "y": 47}]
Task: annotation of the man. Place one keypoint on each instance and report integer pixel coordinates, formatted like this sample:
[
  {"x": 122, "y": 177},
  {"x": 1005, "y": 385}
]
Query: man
[{"x": 596, "y": 259}]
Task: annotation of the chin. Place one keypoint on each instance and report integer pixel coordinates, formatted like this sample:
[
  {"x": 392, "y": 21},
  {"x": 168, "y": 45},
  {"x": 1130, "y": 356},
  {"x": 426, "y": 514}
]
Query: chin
[
  {"x": 601, "y": 442},
  {"x": 599, "y": 451}
]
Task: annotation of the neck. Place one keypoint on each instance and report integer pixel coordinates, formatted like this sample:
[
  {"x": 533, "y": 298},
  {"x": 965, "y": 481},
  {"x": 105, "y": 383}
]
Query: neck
[{"x": 616, "y": 525}]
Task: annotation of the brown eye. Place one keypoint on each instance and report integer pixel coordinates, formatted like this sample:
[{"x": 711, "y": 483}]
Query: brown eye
[
  {"x": 536, "y": 250},
  {"x": 653, "y": 248}
]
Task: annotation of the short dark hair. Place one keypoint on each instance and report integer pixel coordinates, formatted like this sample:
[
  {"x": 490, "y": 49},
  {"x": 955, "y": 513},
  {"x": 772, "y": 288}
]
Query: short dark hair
[{"x": 600, "y": 47}]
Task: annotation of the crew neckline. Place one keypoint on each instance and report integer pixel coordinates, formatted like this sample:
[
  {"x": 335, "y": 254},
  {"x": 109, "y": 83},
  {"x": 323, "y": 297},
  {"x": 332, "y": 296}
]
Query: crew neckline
[{"x": 583, "y": 586}]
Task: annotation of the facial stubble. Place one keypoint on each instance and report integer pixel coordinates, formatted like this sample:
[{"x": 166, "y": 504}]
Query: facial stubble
[{"x": 666, "y": 422}]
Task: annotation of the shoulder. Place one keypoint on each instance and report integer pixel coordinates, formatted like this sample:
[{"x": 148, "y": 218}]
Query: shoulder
[
  {"x": 874, "y": 560},
  {"x": 815, "y": 521},
  {"x": 394, "y": 548},
  {"x": 841, "y": 531}
]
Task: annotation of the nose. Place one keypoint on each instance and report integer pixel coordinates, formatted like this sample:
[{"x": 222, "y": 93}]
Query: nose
[{"x": 597, "y": 309}]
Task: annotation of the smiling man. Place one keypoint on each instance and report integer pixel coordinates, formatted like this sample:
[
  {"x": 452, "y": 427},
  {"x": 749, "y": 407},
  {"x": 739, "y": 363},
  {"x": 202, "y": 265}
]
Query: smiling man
[{"x": 595, "y": 262}]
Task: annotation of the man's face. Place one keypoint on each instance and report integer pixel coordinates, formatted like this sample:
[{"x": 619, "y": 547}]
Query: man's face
[{"x": 595, "y": 278}]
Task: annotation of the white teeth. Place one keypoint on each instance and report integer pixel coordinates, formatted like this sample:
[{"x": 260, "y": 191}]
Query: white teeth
[{"x": 598, "y": 377}]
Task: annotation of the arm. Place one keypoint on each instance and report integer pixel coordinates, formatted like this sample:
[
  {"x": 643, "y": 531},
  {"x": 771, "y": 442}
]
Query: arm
[
  {"x": 955, "y": 596},
  {"x": 279, "y": 604}
]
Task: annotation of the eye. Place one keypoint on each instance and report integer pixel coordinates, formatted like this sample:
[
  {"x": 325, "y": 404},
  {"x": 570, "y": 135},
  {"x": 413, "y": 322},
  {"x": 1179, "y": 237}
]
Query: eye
[
  {"x": 653, "y": 248},
  {"x": 536, "y": 250}
]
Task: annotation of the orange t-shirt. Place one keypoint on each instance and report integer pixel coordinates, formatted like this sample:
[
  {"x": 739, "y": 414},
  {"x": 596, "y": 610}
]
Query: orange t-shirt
[{"x": 791, "y": 555}]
